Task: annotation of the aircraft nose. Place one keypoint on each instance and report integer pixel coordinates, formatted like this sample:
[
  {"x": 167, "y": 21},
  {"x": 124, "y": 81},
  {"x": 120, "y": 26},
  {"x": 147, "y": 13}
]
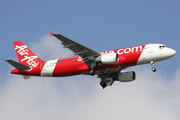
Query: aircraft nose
[{"x": 172, "y": 52}]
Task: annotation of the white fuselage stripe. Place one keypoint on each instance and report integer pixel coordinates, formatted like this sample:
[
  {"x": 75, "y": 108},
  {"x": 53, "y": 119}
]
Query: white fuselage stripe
[{"x": 48, "y": 68}]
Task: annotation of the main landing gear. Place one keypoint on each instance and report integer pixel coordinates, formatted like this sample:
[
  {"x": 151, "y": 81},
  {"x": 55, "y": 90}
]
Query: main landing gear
[
  {"x": 91, "y": 71},
  {"x": 153, "y": 68},
  {"x": 103, "y": 84}
]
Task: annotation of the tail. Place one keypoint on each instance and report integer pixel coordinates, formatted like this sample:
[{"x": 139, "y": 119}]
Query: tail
[{"x": 25, "y": 55}]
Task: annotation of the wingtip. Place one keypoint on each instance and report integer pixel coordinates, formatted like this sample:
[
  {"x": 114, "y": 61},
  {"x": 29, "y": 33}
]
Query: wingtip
[{"x": 52, "y": 34}]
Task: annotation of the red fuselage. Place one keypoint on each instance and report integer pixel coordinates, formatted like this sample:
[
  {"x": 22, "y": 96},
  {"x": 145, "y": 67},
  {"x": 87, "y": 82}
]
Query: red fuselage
[{"x": 75, "y": 65}]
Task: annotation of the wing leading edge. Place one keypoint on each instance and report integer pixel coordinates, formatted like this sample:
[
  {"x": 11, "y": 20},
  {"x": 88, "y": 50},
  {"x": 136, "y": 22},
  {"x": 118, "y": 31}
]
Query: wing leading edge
[{"x": 87, "y": 54}]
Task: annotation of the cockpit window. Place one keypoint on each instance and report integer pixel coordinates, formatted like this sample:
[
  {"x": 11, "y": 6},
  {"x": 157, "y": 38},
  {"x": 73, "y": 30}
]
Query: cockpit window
[{"x": 162, "y": 46}]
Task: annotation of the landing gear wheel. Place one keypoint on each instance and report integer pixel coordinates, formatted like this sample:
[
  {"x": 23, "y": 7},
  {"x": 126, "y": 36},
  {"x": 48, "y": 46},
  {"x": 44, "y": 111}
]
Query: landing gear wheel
[
  {"x": 103, "y": 84},
  {"x": 154, "y": 69},
  {"x": 91, "y": 72}
]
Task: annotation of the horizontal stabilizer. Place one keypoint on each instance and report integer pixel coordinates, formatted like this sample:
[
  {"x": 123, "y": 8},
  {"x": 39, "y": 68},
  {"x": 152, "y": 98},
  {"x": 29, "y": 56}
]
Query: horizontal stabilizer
[{"x": 18, "y": 66}]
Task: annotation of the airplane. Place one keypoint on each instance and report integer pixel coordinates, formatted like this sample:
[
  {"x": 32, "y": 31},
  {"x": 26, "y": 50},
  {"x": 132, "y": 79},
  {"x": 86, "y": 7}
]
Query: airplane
[{"x": 107, "y": 65}]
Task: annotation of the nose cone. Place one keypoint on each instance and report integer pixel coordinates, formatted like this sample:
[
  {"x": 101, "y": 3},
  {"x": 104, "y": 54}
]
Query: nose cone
[{"x": 171, "y": 52}]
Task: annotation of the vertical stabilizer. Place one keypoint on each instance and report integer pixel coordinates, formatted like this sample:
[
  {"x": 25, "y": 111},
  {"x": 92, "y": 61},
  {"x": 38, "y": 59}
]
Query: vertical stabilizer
[{"x": 25, "y": 55}]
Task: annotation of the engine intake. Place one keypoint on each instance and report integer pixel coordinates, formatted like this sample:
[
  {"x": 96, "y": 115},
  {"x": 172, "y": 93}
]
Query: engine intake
[{"x": 107, "y": 59}]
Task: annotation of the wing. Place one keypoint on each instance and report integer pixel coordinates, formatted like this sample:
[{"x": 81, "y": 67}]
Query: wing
[{"x": 86, "y": 53}]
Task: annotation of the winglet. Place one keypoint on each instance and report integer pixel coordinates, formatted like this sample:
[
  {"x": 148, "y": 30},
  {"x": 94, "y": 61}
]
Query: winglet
[{"x": 52, "y": 34}]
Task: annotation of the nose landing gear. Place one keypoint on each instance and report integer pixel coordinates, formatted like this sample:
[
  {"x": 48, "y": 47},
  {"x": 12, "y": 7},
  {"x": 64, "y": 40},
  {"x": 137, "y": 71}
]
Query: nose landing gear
[{"x": 153, "y": 68}]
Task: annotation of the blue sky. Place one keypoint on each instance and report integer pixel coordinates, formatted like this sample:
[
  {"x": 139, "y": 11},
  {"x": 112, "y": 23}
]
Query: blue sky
[{"x": 98, "y": 24}]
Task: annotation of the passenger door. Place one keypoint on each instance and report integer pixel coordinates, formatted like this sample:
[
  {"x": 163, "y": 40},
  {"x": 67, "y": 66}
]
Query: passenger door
[{"x": 150, "y": 48}]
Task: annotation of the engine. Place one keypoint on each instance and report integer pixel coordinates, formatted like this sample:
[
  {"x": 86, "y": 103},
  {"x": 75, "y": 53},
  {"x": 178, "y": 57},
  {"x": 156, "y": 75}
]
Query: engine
[
  {"x": 126, "y": 76},
  {"x": 107, "y": 59}
]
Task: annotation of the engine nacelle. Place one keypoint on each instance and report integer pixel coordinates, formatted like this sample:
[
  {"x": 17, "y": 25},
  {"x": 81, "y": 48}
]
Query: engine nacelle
[
  {"x": 127, "y": 76},
  {"x": 107, "y": 59}
]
